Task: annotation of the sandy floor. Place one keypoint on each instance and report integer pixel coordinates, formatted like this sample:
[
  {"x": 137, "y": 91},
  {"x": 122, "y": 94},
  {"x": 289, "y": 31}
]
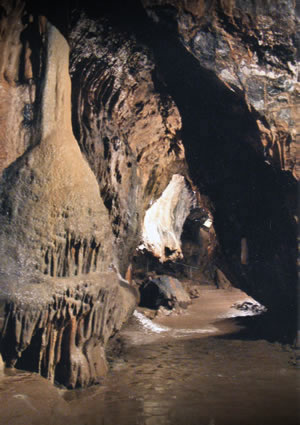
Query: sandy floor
[
  {"x": 209, "y": 310},
  {"x": 198, "y": 371},
  {"x": 207, "y": 315}
]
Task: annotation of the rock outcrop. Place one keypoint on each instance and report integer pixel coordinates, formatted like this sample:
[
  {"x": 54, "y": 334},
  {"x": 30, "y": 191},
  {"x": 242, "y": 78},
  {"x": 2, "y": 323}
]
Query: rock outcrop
[
  {"x": 164, "y": 220},
  {"x": 60, "y": 328},
  {"x": 165, "y": 291},
  {"x": 252, "y": 48},
  {"x": 253, "y": 199}
]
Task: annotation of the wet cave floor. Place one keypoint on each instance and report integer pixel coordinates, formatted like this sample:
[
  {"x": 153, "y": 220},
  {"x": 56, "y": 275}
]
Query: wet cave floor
[{"x": 195, "y": 368}]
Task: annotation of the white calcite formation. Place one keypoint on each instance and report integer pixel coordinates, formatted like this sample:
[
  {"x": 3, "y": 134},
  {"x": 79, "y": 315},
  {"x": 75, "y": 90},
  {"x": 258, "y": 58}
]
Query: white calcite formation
[{"x": 164, "y": 220}]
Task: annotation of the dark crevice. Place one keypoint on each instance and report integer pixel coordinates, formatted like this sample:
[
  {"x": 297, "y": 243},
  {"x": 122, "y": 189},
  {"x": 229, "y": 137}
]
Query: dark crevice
[
  {"x": 30, "y": 357},
  {"x": 114, "y": 99},
  {"x": 106, "y": 147},
  {"x": 30, "y": 39}
]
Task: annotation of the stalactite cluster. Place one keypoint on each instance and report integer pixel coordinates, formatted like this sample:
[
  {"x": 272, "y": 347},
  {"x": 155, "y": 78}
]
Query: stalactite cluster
[
  {"x": 101, "y": 108},
  {"x": 71, "y": 256},
  {"x": 54, "y": 227},
  {"x": 64, "y": 339}
]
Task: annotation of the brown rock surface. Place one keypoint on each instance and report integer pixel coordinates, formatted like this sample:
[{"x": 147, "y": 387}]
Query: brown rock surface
[
  {"x": 54, "y": 224},
  {"x": 252, "y": 48},
  {"x": 59, "y": 329},
  {"x": 127, "y": 130},
  {"x": 253, "y": 199},
  {"x": 200, "y": 92},
  {"x": 52, "y": 200},
  {"x": 22, "y": 43}
]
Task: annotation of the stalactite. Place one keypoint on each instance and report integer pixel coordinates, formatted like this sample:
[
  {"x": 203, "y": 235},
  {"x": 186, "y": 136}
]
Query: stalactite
[
  {"x": 71, "y": 256},
  {"x": 67, "y": 336}
]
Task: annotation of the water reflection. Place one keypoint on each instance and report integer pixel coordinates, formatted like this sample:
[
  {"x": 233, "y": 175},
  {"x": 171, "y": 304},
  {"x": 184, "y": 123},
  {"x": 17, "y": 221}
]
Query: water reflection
[
  {"x": 195, "y": 381},
  {"x": 168, "y": 379}
]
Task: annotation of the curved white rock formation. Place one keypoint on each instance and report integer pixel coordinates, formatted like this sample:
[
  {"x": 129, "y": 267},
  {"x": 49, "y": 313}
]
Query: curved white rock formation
[{"x": 164, "y": 220}]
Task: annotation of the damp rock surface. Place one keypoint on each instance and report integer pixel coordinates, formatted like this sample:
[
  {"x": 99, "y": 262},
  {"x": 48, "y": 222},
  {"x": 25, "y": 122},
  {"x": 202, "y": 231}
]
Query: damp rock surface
[
  {"x": 128, "y": 131},
  {"x": 152, "y": 381},
  {"x": 197, "y": 367},
  {"x": 54, "y": 226},
  {"x": 103, "y": 108},
  {"x": 163, "y": 291},
  {"x": 64, "y": 337}
]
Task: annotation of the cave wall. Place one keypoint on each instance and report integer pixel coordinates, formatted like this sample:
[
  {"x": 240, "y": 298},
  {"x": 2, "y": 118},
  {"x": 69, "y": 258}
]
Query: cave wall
[
  {"x": 55, "y": 220},
  {"x": 238, "y": 155},
  {"x": 128, "y": 131},
  {"x": 103, "y": 108},
  {"x": 253, "y": 197},
  {"x": 20, "y": 35},
  {"x": 253, "y": 48},
  {"x": 164, "y": 220}
]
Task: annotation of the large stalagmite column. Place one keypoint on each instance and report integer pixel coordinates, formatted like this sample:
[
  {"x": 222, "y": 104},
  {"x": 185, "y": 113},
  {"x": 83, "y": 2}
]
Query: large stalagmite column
[{"x": 59, "y": 301}]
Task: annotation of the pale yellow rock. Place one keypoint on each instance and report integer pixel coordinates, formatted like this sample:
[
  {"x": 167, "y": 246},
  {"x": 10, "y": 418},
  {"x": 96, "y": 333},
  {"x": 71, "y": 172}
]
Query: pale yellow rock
[{"x": 53, "y": 190}]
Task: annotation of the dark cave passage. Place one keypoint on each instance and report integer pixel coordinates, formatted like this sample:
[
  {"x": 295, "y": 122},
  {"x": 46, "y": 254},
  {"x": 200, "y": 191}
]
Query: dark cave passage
[
  {"x": 225, "y": 158},
  {"x": 248, "y": 194},
  {"x": 196, "y": 325}
]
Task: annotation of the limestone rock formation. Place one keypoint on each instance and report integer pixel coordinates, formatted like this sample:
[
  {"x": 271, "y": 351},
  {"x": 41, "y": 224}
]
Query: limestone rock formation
[
  {"x": 54, "y": 225},
  {"x": 200, "y": 245},
  {"x": 21, "y": 34},
  {"x": 165, "y": 291},
  {"x": 252, "y": 197},
  {"x": 60, "y": 328},
  {"x": 164, "y": 220},
  {"x": 50, "y": 195},
  {"x": 166, "y": 123},
  {"x": 127, "y": 130}
]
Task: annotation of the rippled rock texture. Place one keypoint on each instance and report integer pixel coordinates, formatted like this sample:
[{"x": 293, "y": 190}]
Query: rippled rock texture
[
  {"x": 165, "y": 127},
  {"x": 61, "y": 331},
  {"x": 128, "y": 131}
]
